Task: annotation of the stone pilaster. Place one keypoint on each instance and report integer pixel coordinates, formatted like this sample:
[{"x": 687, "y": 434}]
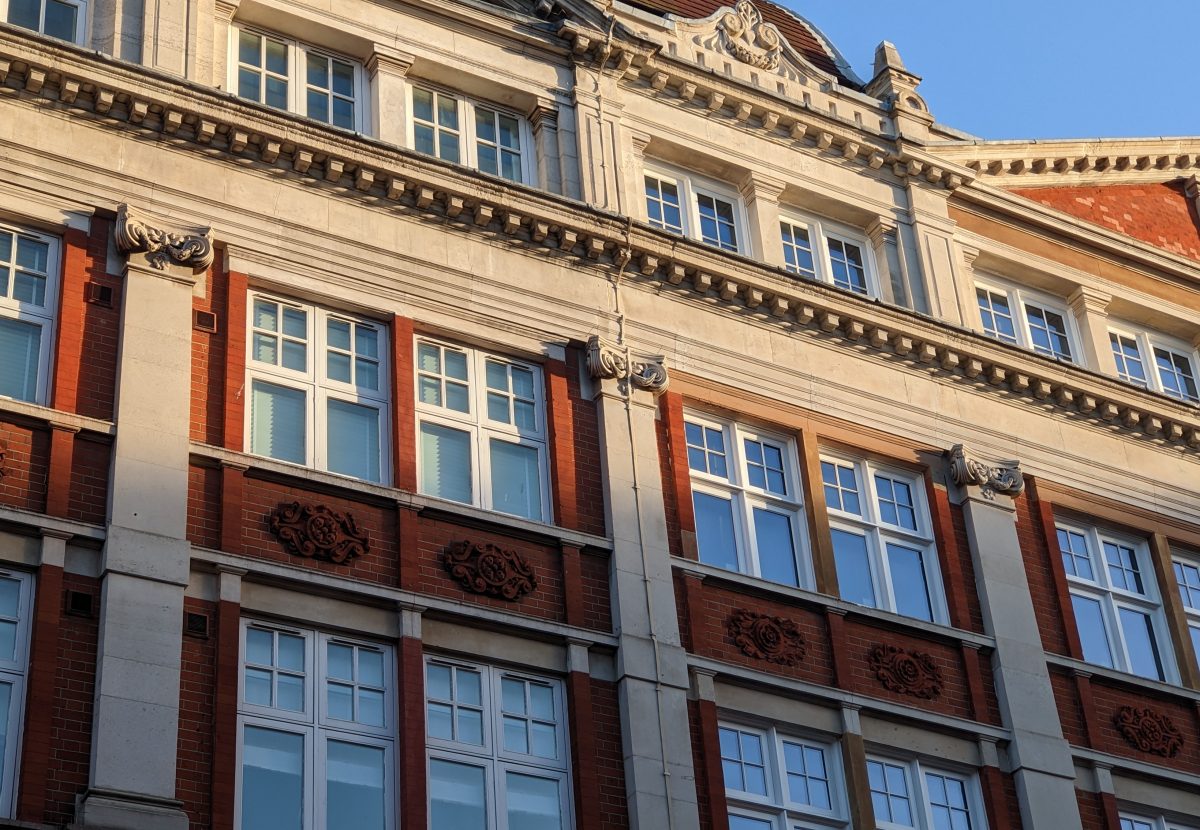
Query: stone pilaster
[
  {"x": 544, "y": 120},
  {"x": 893, "y": 276},
  {"x": 651, "y": 666},
  {"x": 146, "y": 557},
  {"x": 602, "y": 151},
  {"x": 222, "y": 22},
  {"x": 1090, "y": 308},
  {"x": 387, "y": 68},
  {"x": 761, "y": 197},
  {"x": 1039, "y": 754},
  {"x": 942, "y": 277}
]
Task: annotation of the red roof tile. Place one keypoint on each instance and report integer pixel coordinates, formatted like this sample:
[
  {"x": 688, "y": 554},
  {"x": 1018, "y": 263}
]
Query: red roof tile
[{"x": 798, "y": 34}]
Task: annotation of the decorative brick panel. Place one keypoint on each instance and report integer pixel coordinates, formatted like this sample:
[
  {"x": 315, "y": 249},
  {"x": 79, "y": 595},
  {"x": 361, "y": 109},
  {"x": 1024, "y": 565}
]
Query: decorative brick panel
[
  {"x": 1112, "y": 698},
  {"x": 861, "y": 639},
  {"x": 26, "y": 466}
]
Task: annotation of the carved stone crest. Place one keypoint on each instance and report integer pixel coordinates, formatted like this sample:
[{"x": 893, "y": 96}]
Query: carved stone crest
[
  {"x": 161, "y": 247},
  {"x": 763, "y": 637},
  {"x": 608, "y": 360},
  {"x": 316, "y": 532},
  {"x": 906, "y": 672},
  {"x": 749, "y": 38},
  {"x": 488, "y": 569},
  {"x": 1148, "y": 731},
  {"x": 1002, "y": 477}
]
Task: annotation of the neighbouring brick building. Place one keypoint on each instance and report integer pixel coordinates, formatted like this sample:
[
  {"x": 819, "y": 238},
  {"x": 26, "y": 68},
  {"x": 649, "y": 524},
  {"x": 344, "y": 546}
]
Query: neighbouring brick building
[{"x": 546, "y": 414}]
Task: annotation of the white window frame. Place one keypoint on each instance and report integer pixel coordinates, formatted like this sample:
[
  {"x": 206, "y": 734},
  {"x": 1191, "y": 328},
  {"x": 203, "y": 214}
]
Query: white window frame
[
  {"x": 1158, "y": 822},
  {"x": 16, "y": 672},
  {"x": 820, "y": 232},
  {"x": 298, "y": 52},
  {"x": 314, "y": 724},
  {"x": 81, "y": 18},
  {"x": 1019, "y": 297},
  {"x": 869, "y": 523},
  {"x": 692, "y": 185},
  {"x": 481, "y": 428},
  {"x": 1191, "y": 609},
  {"x": 776, "y": 806},
  {"x": 917, "y": 785},
  {"x": 46, "y": 315},
  {"x": 1111, "y": 598},
  {"x": 491, "y": 755},
  {"x": 1147, "y": 342},
  {"x": 746, "y": 497},
  {"x": 315, "y": 383},
  {"x": 468, "y": 140}
]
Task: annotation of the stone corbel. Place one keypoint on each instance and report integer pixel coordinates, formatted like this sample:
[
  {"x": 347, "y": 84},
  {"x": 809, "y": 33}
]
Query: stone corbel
[
  {"x": 162, "y": 247},
  {"x": 225, "y": 9},
  {"x": 1003, "y": 477},
  {"x": 608, "y": 360},
  {"x": 389, "y": 60}
]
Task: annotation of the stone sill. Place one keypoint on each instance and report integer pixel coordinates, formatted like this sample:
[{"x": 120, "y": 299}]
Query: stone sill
[{"x": 56, "y": 418}]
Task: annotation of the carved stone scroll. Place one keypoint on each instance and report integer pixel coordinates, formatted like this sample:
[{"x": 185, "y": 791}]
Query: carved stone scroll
[
  {"x": 906, "y": 672},
  {"x": 316, "y": 532},
  {"x": 1001, "y": 477},
  {"x": 749, "y": 38},
  {"x": 488, "y": 569},
  {"x": 608, "y": 360},
  {"x": 1148, "y": 731},
  {"x": 763, "y": 637},
  {"x": 161, "y": 247}
]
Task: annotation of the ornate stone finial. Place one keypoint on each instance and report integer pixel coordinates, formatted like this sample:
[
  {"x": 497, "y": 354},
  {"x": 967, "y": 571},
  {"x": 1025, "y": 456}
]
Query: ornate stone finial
[
  {"x": 161, "y": 247},
  {"x": 1003, "y": 477},
  {"x": 749, "y": 38},
  {"x": 607, "y": 360}
]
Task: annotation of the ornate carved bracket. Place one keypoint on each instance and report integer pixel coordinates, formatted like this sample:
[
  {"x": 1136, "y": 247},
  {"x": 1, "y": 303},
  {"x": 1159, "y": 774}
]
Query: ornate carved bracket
[
  {"x": 162, "y": 247},
  {"x": 1148, "y": 731},
  {"x": 484, "y": 568},
  {"x": 608, "y": 360},
  {"x": 749, "y": 38},
  {"x": 763, "y": 637},
  {"x": 316, "y": 532},
  {"x": 1002, "y": 477},
  {"x": 906, "y": 672}
]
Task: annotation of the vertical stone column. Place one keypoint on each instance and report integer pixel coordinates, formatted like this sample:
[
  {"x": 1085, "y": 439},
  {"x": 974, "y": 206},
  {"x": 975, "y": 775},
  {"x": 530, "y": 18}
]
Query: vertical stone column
[
  {"x": 854, "y": 767},
  {"x": 1090, "y": 308},
  {"x": 934, "y": 238},
  {"x": 651, "y": 666},
  {"x": 633, "y": 171},
  {"x": 1040, "y": 756},
  {"x": 387, "y": 68},
  {"x": 893, "y": 276},
  {"x": 223, "y": 13},
  {"x": 601, "y": 154},
  {"x": 146, "y": 557},
  {"x": 761, "y": 196},
  {"x": 544, "y": 120},
  {"x": 117, "y": 28}
]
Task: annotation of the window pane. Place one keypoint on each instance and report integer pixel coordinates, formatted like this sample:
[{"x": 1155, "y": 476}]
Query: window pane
[
  {"x": 318, "y": 70},
  {"x": 20, "y": 350},
  {"x": 272, "y": 780},
  {"x": 341, "y": 701},
  {"x": 277, "y": 57},
  {"x": 25, "y": 13},
  {"x": 445, "y": 462},
  {"x": 341, "y": 662},
  {"x": 747, "y": 823},
  {"x": 907, "y": 567},
  {"x": 1090, "y": 621},
  {"x": 776, "y": 555},
  {"x": 1141, "y": 644},
  {"x": 277, "y": 93},
  {"x": 61, "y": 20},
  {"x": 356, "y": 790},
  {"x": 533, "y": 803},
  {"x": 1194, "y": 630},
  {"x": 343, "y": 113},
  {"x": 353, "y": 437},
  {"x": 853, "y": 567},
  {"x": 317, "y": 106},
  {"x": 277, "y": 422},
  {"x": 516, "y": 486},
  {"x": 715, "y": 531},
  {"x": 5, "y": 705},
  {"x": 457, "y": 800}
]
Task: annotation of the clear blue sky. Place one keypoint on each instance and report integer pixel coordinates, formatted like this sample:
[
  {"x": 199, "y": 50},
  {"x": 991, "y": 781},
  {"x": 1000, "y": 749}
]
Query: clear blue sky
[{"x": 1034, "y": 68}]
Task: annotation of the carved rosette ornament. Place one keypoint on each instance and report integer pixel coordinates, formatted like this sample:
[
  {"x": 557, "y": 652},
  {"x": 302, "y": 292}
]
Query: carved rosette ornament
[
  {"x": 749, "y": 38},
  {"x": 1148, "y": 731},
  {"x": 1002, "y": 477},
  {"x": 608, "y": 360},
  {"x": 316, "y": 532},
  {"x": 484, "y": 568},
  {"x": 763, "y": 637},
  {"x": 906, "y": 672},
  {"x": 161, "y": 247}
]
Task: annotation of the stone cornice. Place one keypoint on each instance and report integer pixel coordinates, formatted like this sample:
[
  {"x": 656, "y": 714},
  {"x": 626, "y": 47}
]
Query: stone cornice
[{"x": 153, "y": 106}]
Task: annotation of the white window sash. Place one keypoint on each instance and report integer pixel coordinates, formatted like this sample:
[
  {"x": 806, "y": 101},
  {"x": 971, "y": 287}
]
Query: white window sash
[
  {"x": 820, "y": 231},
  {"x": 1018, "y": 298},
  {"x": 777, "y": 803},
  {"x": 271, "y": 713},
  {"x": 468, "y": 141},
  {"x": 44, "y": 316},
  {"x": 308, "y": 763},
  {"x": 690, "y": 186},
  {"x": 15, "y": 673},
  {"x": 81, "y": 18},
  {"x": 1147, "y": 341}
]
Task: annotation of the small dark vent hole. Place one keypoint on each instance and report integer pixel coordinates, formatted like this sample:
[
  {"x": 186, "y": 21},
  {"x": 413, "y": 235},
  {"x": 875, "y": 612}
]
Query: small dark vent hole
[
  {"x": 79, "y": 603},
  {"x": 101, "y": 295},
  {"x": 206, "y": 321},
  {"x": 196, "y": 625}
]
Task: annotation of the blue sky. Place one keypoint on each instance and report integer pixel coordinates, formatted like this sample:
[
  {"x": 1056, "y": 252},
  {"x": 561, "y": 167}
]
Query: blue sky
[{"x": 1034, "y": 68}]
